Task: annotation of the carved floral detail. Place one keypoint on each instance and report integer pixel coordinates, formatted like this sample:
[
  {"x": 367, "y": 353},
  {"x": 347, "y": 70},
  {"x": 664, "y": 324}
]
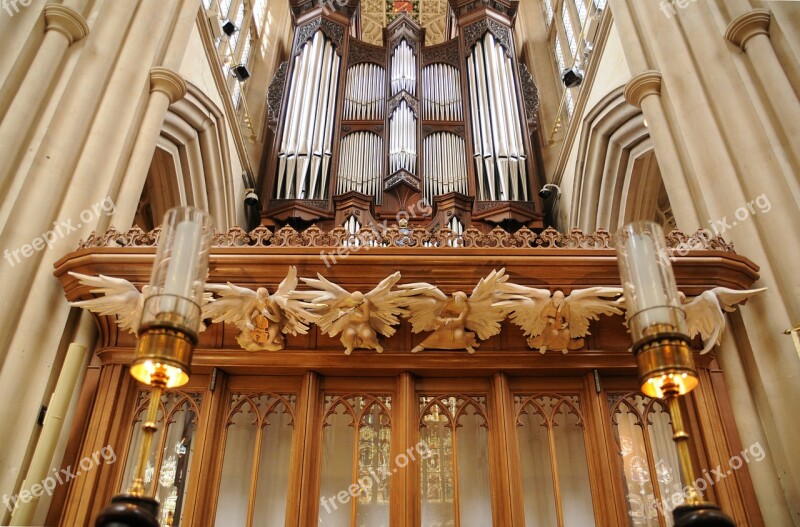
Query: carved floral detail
[
  {"x": 475, "y": 32},
  {"x": 530, "y": 96},
  {"x": 394, "y": 236}
]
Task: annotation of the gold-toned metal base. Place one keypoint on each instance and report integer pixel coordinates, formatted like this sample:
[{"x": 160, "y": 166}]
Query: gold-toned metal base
[
  {"x": 149, "y": 427},
  {"x": 665, "y": 360},
  {"x": 163, "y": 352}
]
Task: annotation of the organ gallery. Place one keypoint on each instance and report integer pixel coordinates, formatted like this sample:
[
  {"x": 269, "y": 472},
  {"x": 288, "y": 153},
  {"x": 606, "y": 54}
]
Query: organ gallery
[{"x": 436, "y": 263}]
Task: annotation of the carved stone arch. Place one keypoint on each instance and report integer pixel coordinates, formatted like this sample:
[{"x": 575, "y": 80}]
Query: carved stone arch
[
  {"x": 191, "y": 164},
  {"x": 617, "y": 178}
]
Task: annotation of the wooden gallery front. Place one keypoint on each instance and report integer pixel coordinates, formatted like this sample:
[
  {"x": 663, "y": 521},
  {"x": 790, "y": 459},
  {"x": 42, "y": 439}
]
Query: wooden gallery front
[{"x": 308, "y": 435}]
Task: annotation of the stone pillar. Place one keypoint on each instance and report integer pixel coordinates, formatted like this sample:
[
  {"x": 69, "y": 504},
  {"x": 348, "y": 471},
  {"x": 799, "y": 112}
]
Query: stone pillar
[
  {"x": 732, "y": 151},
  {"x": 166, "y": 87},
  {"x": 750, "y": 32},
  {"x": 644, "y": 91},
  {"x": 763, "y": 474},
  {"x": 63, "y": 27}
]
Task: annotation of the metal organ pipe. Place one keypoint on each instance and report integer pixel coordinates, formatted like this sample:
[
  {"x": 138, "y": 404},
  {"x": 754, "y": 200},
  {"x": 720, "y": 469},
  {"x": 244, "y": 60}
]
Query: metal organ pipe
[
  {"x": 304, "y": 156},
  {"x": 364, "y": 92},
  {"x": 360, "y": 166},
  {"x": 441, "y": 88},
  {"x": 404, "y": 69},
  {"x": 403, "y": 140},
  {"x": 445, "y": 165},
  {"x": 500, "y": 160}
]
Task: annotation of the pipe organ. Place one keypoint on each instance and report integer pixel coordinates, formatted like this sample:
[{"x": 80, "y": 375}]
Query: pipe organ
[
  {"x": 305, "y": 153},
  {"x": 403, "y": 140},
  {"x": 407, "y": 122},
  {"x": 441, "y": 86},
  {"x": 445, "y": 165},
  {"x": 364, "y": 94},
  {"x": 360, "y": 166},
  {"x": 404, "y": 69},
  {"x": 496, "y": 126}
]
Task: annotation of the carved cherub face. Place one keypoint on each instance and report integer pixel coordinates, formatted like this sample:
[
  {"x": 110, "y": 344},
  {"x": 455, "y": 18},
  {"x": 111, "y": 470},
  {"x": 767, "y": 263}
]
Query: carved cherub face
[
  {"x": 459, "y": 298},
  {"x": 357, "y": 298},
  {"x": 558, "y": 299}
]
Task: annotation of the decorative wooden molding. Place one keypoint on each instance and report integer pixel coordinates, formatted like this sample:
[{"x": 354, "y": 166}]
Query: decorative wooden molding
[
  {"x": 446, "y": 53},
  {"x": 395, "y": 101},
  {"x": 66, "y": 21},
  {"x": 474, "y": 32},
  {"x": 362, "y": 52},
  {"x": 748, "y": 25},
  {"x": 275, "y": 93},
  {"x": 313, "y": 236},
  {"x": 168, "y": 82},
  {"x": 332, "y": 30},
  {"x": 530, "y": 96},
  {"x": 641, "y": 86}
]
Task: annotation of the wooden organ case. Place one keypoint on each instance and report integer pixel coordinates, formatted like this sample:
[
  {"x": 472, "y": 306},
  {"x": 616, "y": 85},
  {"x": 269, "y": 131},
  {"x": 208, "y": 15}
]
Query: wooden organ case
[
  {"x": 378, "y": 130},
  {"x": 443, "y": 136}
]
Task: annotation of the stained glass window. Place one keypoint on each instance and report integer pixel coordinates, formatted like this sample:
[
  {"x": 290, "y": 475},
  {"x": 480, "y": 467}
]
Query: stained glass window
[
  {"x": 454, "y": 478},
  {"x": 356, "y": 492}
]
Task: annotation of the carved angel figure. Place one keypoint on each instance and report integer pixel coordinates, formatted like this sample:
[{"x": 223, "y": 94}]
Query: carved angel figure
[
  {"x": 357, "y": 316},
  {"x": 458, "y": 321},
  {"x": 705, "y": 314},
  {"x": 120, "y": 298},
  {"x": 262, "y": 318},
  {"x": 557, "y": 322}
]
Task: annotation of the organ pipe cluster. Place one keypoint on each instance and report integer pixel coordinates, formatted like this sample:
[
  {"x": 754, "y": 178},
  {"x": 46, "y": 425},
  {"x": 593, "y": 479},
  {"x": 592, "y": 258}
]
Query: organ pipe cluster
[
  {"x": 403, "y": 140},
  {"x": 305, "y": 152},
  {"x": 361, "y": 164},
  {"x": 445, "y": 165},
  {"x": 404, "y": 69},
  {"x": 441, "y": 89},
  {"x": 496, "y": 126},
  {"x": 365, "y": 92}
]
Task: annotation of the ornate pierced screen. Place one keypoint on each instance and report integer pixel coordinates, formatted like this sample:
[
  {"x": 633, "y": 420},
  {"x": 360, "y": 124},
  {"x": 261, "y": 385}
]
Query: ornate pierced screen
[
  {"x": 647, "y": 457},
  {"x": 550, "y": 429},
  {"x": 454, "y": 480},
  {"x": 168, "y": 469},
  {"x": 356, "y": 465},
  {"x": 255, "y": 468}
]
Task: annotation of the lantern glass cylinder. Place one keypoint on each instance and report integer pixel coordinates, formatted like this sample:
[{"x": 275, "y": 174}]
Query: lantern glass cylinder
[
  {"x": 171, "y": 314},
  {"x": 652, "y": 298},
  {"x": 656, "y": 318}
]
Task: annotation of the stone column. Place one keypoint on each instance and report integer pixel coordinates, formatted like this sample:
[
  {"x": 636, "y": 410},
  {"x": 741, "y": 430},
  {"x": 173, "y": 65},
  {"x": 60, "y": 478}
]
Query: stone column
[
  {"x": 763, "y": 474},
  {"x": 644, "y": 91},
  {"x": 166, "y": 87},
  {"x": 750, "y": 32},
  {"x": 63, "y": 27}
]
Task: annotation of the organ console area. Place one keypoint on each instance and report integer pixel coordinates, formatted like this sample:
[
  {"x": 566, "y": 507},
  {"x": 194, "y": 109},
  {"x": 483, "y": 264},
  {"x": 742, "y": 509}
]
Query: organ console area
[{"x": 368, "y": 130}]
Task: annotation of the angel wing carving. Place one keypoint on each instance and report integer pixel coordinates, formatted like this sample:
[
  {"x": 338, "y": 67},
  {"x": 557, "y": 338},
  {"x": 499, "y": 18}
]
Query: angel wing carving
[
  {"x": 120, "y": 299},
  {"x": 262, "y": 318},
  {"x": 705, "y": 314},
  {"x": 358, "y": 317},
  {"x": 557, "y": 322},
  {"x": 458, "y": 321}
]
